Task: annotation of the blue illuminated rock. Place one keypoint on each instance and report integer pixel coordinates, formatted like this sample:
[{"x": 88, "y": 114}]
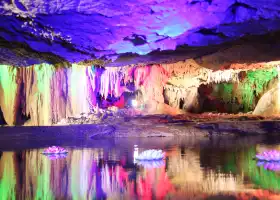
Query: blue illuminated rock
[{"x": 78, "y": 30}]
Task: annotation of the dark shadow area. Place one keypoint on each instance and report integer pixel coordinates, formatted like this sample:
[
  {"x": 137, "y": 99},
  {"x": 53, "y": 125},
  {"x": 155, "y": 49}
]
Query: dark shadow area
[
  {"x": 21, "y": 117},
  {"x": 213, "y": 98},
  {"x": 242, "y": 128},
  {"x": 2, "y": 120},
  {"x": 16, "y": 53},
  {"x": 223, "y": 197}
]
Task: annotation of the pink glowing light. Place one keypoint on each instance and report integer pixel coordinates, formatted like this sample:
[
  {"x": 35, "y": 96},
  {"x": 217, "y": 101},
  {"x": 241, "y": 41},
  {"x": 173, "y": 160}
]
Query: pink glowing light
[
  {"x": 56, "y": 156},
  {"x": 55, "y": 150},
  {"x": 271, "y": 155}
]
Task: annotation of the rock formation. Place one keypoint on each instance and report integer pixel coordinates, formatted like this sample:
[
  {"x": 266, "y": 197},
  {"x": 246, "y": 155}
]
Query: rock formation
[
  {"x": 45, "y": 94},
  {"x": 269, "y": 103}
]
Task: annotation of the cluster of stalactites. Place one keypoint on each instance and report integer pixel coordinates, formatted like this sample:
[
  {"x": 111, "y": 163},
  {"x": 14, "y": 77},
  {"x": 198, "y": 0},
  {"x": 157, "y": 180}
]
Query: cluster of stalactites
[
  {"x": 190, "y": 71},
  {"x": 223, "y": 76},
  {"x": 38, "y": 92},
  {"x": 49, "y": 94},
  {"x": 8, "y": 92},
  {"x": 110, "y": 82},
  {"x": 184, "y": 97}
]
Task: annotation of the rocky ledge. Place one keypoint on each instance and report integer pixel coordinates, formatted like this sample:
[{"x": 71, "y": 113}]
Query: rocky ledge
[{"x": 115, "y": 122}]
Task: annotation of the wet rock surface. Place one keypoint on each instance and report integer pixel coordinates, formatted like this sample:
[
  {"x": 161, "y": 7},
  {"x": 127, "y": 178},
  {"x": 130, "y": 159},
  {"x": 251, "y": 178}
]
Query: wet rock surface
[{"x": 124, "y": 123}]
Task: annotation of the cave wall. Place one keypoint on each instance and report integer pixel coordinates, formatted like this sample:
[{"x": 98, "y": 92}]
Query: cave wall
[{"x": 45, "y": 94}]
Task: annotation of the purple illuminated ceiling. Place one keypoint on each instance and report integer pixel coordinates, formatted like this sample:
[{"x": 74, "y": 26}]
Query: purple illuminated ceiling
[{"x": 77, "y": 30}]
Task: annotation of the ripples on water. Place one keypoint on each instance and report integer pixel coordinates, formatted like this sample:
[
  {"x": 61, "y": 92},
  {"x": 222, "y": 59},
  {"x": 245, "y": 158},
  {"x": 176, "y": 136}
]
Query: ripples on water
[{"x": 201, "y": 169}]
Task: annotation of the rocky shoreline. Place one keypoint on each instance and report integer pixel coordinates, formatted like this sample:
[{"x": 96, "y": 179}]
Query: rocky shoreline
[{"x": 130, "y": 123}]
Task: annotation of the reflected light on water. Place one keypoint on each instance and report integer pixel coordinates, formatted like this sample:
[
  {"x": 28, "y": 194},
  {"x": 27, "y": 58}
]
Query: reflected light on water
[
  {"x": 95, "y": 174},
  {"x": 187, "y": 173},
  {"x": 8, "y": 178}
]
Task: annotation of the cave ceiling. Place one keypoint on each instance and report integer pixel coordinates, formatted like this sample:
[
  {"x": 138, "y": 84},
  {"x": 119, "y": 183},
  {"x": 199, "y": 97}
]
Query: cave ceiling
[{"x": 122, "y": 32}]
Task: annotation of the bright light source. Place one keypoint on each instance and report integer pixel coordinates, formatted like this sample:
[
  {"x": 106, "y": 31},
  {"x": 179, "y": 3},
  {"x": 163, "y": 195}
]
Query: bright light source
[{"x": 134, "y": 103}]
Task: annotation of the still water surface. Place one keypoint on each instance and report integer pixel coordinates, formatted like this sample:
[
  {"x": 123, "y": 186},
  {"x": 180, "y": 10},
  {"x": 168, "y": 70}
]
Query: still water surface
[{"x": 195, "y": 168}]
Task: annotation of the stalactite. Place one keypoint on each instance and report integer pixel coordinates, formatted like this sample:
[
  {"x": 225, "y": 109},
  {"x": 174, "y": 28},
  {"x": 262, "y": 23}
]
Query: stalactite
[
  {"x": 38, "y": 93},
  {"x": 92, "y": 85},
  {"x": 9, "y": 92},
  {"x": 110, "y": 82},
  {"x": 59, "y": 95},
  {"x": 78, "y": 91},
  {"x": 50, "y": 94},
  {"x": 43, "y": 76},
  {"x": 176, "y": 95},
  {"x": 27, "y": 75},
  {"x": 223, "y": 76}
]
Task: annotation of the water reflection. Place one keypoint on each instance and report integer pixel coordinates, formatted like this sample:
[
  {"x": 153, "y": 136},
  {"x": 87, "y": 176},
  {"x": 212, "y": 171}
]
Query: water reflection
[
  {"x": 8, "y": 177},
  {"x": 187, "y": 173}
]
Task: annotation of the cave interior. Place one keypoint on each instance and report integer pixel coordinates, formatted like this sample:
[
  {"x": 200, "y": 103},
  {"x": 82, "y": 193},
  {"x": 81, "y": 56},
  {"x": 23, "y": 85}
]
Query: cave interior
[{"x": 189, "y": 57}]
